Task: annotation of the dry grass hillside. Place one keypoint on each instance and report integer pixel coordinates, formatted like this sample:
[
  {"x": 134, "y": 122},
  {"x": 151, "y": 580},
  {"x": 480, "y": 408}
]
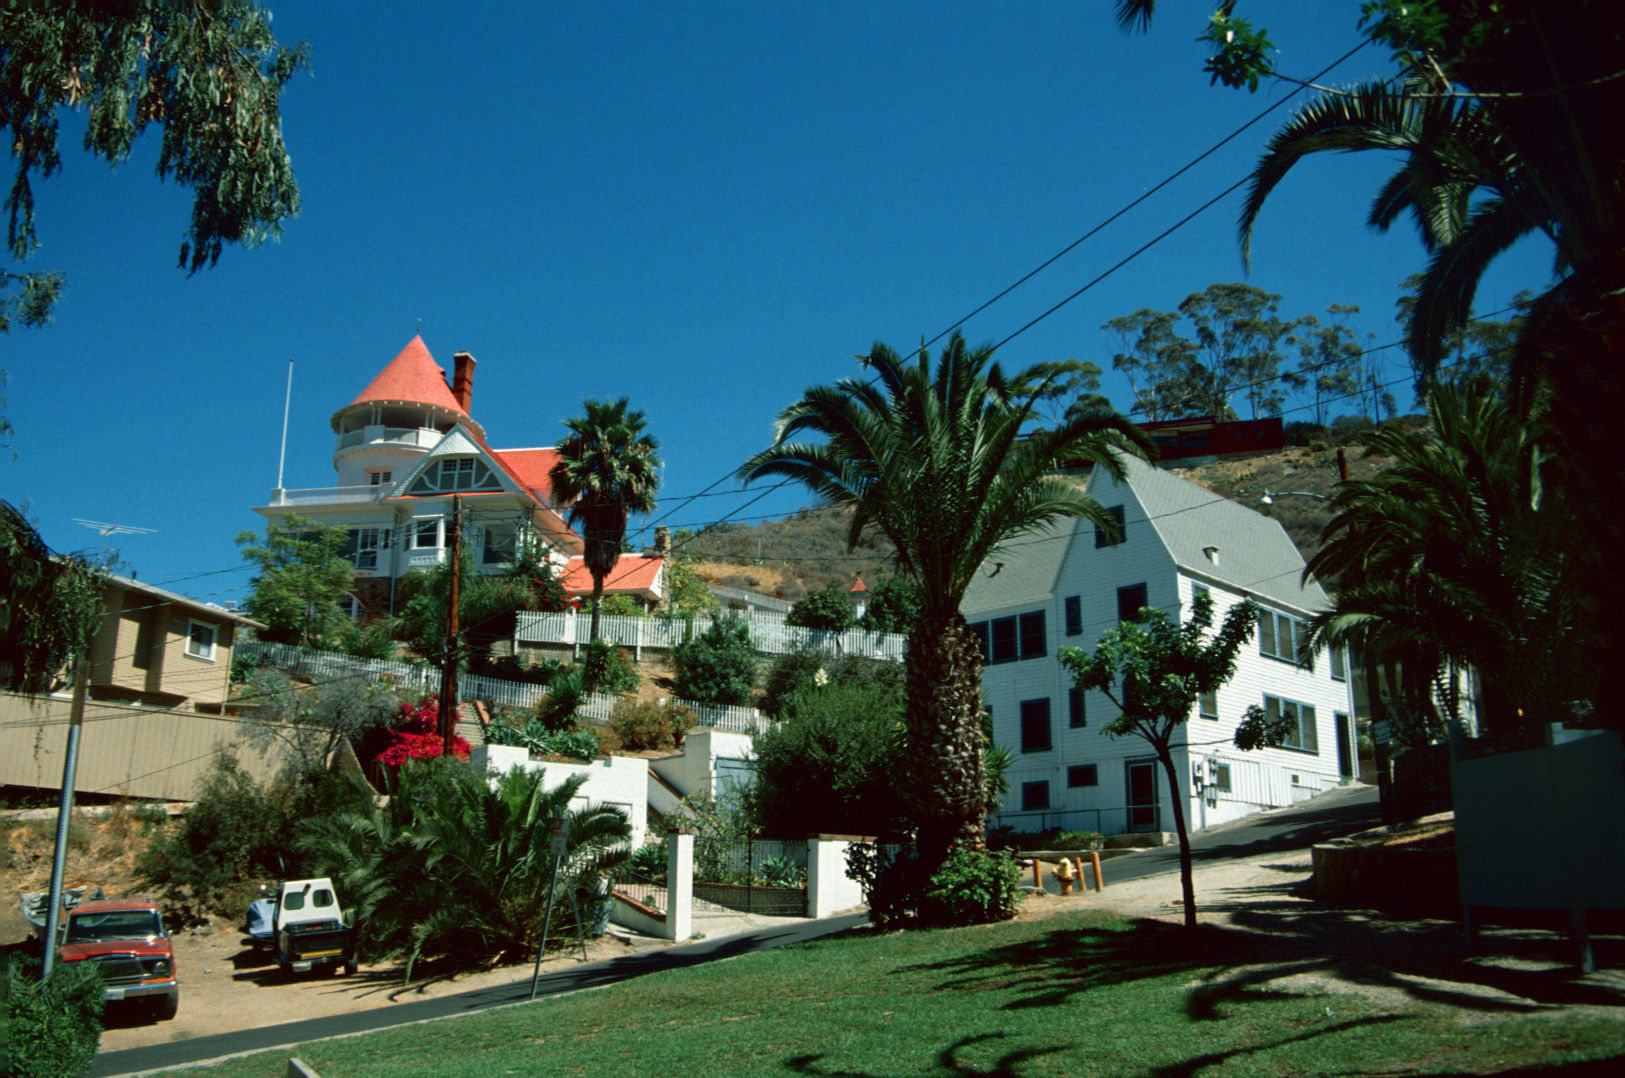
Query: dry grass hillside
[{"x": 807, "y": 550}]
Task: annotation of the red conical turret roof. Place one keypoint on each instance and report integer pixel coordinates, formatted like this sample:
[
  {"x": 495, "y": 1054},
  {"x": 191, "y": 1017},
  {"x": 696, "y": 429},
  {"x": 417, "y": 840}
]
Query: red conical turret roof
[{"x": 411, "y": 377}]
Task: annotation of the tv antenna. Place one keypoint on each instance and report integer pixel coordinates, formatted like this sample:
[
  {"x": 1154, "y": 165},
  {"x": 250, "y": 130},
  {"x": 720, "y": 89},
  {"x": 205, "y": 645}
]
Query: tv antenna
[{"x": 103, "y": 528}]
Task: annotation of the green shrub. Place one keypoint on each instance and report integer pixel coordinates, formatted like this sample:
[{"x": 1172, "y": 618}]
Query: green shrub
[
  {"x": 608, "y": 669},
  {"x": 1079, "y": 840},
  {"x": 718, "y": 666},
  {"x": 828, "y": 608},
  {"x": 647, "y": 864},
  {"x": 781, "y": 871},
  {"x": 212, "y": 859},
  {"x": 52, "y": 1028},
  {"x": 972, "y": 887},
  {"x": 895, "y": 605},
  {"x": 243, "y": 665},
  {"x": 642, "y": 725}
]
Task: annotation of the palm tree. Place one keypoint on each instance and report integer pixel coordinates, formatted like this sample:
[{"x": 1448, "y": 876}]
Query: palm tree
[
  {"x": 455, "y": 865},
  {"x": 1456, "y": 558},
  {"x": 1538, "y": 75},
  {"x": 607, "y": 470},
  {"x": 936, "y": 459}
]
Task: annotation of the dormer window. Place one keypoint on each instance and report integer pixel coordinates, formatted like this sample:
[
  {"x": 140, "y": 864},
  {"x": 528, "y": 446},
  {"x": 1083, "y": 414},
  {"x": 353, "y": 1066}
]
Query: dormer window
[{"x": 455, "y": 476}]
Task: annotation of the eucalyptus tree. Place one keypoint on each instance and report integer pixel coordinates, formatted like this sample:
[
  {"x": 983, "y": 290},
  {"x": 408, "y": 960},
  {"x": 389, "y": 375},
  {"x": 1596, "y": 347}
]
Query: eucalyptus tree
[
  {"x": 608, "y": 469},
  {"x": 209, "y": 75},
  {"x": 947, "y": 461}
]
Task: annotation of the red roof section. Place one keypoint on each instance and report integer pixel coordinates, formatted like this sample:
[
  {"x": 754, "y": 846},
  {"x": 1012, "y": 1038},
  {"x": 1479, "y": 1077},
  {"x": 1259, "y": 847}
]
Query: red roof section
[
  {"x": 632, "y": 572},
  {"x": 530, "y": 467},
  {"x": 412, "y": 376}
]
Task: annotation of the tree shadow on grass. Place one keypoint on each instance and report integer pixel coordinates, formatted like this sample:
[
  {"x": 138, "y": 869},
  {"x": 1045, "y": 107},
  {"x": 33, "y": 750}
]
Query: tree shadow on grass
[
  {"x": 1425, "y": 961},
  {"x": 949, "y": 1065}
]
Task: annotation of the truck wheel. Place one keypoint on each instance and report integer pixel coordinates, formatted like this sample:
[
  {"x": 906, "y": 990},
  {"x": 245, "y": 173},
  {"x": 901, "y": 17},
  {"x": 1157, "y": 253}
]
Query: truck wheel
[{"x": 168, "y": 1006}]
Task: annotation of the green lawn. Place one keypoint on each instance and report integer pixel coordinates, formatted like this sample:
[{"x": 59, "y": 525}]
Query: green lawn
[{"x": 1082, "y": 995}]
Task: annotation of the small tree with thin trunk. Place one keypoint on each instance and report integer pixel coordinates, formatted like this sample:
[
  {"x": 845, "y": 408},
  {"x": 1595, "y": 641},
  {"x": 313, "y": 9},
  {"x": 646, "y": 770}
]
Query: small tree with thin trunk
[{"x": 1155, "y": 670}]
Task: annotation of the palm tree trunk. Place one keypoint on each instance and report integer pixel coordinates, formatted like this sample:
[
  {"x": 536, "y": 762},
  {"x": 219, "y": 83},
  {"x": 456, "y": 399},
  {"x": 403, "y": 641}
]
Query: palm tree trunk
[
  {"x": 597, "y": 596},
  {"x": 1176, "y": 797},
  {"x": 1580, "y": 347},
  {"x": 944, "y": 786}
]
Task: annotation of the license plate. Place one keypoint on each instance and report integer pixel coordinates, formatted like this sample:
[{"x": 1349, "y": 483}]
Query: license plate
[
  {"x": 301, "y": 967},
  {"x": 115, "y": 993}
]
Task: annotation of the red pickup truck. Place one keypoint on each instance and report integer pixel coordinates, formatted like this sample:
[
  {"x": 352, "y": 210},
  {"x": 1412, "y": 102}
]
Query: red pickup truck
[{"x": 125, "y": 937}]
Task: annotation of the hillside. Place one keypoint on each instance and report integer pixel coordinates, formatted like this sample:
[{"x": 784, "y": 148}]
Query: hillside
[{"x": 807, "y": 550}]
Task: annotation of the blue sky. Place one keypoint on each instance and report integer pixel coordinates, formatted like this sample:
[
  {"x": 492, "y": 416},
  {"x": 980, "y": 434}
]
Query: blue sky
[{"x": 706, "y": 207}]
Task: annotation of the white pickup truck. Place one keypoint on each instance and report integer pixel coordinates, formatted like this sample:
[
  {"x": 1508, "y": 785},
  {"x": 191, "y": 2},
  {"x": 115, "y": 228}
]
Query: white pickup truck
[{"x": 303, "y": 921}]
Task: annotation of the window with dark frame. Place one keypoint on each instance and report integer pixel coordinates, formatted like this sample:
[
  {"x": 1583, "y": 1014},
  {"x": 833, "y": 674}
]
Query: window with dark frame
[
  {"x": 1034, "y": 796},
  {"x": 1074, "y": 615},
  {"x": 1221, "y": 777},
  {"x": 426, "y": 535},
  {"x": 1033, "y": 645},
  {"x": 1103, "y": 537},
  {"x": 1074, "y": 708},
  {"x": 1035, "y": 732},
  {"x": 1003, "y": 633},
  {"x": 1129, "y": 602},
  {"x": 1082, "y": 775},
  {"x": 1338, "y": 663},
  {"x": 1278, "y": 636},
  {"x": 1207, "y": 705}
]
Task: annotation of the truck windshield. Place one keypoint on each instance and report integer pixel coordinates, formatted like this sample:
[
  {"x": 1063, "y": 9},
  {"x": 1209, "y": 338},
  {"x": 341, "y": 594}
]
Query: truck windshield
[{"x": 119, "y": 925}]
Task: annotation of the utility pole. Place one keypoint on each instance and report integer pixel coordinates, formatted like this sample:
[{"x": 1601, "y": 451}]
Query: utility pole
[
  {"x": 64, "y": 811},
  {"x": 448, "y": 673}
]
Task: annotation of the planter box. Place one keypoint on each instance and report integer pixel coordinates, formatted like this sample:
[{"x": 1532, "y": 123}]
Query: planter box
[{"x": 1389, "y": 878}]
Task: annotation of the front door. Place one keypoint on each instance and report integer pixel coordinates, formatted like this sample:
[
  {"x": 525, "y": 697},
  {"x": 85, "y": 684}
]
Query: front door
[{"x": 1142, "y": 796}]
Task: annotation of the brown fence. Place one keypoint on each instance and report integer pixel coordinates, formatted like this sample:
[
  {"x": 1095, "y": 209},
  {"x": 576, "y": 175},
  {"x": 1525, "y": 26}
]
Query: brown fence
[{"x": 127, "y": 751}]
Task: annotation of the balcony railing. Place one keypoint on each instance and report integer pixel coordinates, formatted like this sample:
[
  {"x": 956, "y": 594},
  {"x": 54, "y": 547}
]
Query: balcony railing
[
  {"x": 409, "y": 436},
  {"x": 328, "y": 495}
]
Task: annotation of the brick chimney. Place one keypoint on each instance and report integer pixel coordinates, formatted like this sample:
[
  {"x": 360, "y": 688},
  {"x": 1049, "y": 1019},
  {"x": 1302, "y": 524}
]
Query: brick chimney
[{"x": 462, "y": 379}]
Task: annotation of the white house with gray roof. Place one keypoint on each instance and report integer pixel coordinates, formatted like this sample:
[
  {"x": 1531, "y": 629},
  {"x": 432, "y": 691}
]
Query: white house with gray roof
[{"x": 1066, "y": 585}]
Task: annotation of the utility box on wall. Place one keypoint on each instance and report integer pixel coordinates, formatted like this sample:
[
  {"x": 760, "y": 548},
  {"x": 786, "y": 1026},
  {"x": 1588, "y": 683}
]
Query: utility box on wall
[{"x": 1545, "y": 828}]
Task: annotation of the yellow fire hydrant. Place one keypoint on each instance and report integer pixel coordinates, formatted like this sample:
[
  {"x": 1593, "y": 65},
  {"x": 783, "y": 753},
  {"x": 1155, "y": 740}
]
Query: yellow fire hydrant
[{"x": 1063, "y": 872}]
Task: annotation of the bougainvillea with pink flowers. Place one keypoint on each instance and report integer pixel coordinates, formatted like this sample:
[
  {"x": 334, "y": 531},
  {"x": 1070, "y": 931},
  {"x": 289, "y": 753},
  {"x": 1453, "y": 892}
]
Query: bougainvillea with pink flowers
[{"x": 417, "y": 735}]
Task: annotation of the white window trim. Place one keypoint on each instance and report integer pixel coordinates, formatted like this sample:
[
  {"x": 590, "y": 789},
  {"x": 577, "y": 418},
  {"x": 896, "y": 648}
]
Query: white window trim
[{"x": 192, "y": 625}]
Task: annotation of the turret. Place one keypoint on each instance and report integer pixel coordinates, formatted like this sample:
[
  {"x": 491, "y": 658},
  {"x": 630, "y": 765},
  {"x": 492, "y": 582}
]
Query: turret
[{"x": 401, "y": 414}]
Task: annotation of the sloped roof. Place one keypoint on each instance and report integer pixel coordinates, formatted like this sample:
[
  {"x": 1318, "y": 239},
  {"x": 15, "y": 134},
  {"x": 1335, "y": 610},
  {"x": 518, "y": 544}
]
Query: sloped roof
[
  {"x": 633, "y": 574},
  {"x": 197, "y": 607},
  {"x": 530, "y": 467},
  {"x": 1256, "y": 556},
  {"x": 1255, "y": 553},
  {"x": 411, "y": 377},
  {"x": 1026, "y": 567}
]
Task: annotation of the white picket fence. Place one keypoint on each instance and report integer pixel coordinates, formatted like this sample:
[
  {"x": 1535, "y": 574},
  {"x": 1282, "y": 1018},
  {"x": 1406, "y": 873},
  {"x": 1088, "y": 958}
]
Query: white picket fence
[
  {"x": 326, "y": 665},
  {"x": 768, "y": 633}
]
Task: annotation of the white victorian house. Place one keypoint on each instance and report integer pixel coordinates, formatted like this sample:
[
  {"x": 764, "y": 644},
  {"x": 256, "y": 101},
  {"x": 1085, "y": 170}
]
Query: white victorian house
[
  {"x": 407, "y": 446},
  {"x": 1064, "y": 586}
]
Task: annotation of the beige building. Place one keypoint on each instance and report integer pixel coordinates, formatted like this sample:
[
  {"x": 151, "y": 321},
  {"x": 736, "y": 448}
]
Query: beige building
[{"x": 159, "y": 649}]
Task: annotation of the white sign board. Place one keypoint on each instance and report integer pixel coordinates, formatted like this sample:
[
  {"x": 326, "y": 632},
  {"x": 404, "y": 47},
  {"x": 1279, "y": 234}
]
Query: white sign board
[{"x": 560, "y": 835}]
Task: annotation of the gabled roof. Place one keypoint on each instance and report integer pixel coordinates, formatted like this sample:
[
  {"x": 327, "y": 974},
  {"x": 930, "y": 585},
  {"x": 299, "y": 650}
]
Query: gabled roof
[
  {"x": 637, "y": 574},
  {"x": 412, "y": 377},
  {"x": 459, "y": 442},
  {"x": 1255, "y": 553}
]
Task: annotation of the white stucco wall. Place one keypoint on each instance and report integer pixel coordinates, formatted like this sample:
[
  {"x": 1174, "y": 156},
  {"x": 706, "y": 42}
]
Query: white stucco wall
[
  {"x": 695, "y": 770},
  {"x": 620, "y": 781}
]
